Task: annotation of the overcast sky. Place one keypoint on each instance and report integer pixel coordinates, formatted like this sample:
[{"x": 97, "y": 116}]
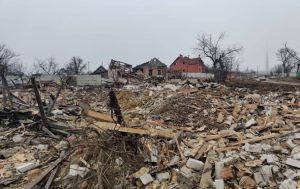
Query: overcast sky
[{"x": 134, "y": 31}]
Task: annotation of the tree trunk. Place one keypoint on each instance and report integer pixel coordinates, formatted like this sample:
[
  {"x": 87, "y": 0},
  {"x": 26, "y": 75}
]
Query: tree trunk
[
  {"x": 4, "y": 95},
  {"x": 5, "y": 91},
  {"x": 220, "y": 75}
]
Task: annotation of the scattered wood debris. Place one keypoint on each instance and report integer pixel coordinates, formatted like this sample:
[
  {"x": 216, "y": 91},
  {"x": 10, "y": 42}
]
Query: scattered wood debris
[{"x": 185, "y": 135}]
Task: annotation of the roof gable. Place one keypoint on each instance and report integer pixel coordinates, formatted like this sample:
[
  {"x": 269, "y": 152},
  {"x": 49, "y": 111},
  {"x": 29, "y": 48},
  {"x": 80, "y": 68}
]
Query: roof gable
[
  {"x": 189, "y": 61},
  {"x": 154, "y": 62},
  {"x": 100, "y": 69}
]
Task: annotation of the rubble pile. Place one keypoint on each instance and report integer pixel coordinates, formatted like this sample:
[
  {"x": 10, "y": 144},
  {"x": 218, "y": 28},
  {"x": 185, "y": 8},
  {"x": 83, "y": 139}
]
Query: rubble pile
[{"x": 187, "y": 135}]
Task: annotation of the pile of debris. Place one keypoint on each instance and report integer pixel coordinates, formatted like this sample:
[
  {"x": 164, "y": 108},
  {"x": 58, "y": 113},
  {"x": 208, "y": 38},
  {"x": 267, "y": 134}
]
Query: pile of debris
[{"x": 188, "y": 135}]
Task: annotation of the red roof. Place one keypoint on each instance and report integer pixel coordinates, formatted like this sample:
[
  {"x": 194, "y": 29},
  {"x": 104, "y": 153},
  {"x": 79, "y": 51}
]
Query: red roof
[{"x": 190, "y": 61}]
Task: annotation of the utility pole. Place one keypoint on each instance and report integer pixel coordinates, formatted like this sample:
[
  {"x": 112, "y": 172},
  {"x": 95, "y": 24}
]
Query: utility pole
[{"x": 267, "y": 60}]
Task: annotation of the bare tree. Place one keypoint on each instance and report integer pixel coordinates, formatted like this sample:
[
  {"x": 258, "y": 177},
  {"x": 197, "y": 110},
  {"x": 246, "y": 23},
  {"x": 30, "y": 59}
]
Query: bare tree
[
  {"x": 76, "y": 66},
  {"x": 7, "y": 60},
  {"x": 277, "y": 70},
  {"x": 223, "y": 59},
  {"x": 288, "y": 58},
  {"x": 17, "y": 69},
  {"x": 48, "y": 66}
]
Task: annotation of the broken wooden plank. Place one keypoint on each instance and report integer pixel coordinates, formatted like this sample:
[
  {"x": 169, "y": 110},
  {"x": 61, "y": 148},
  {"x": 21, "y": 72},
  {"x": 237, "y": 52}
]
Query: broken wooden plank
[
  {"x": 202, "y": 150},
  {"x": 39, "y": 102},
  {"x": 227, "y": 148},
  {"x": 206, "y": 179},
  {"x": 35, "y": 181},
  {"x": 55, "y": 98},
  {"x": 100, "y": 126},
  {"x": 51, "y": 178},
  {"x": 291, "y": 116},
  {"x": 260, "y": 128},
  {"x": 224, "y": 134},
  {"x": 46, "y": 130},
  {"x": 17, "y": 98},
  {"x": 98, "y": 116},
  {"x": 196, "y": 150},
  {"x": 227, "y": 172},
  {"x": 177, "y": 135},
  {"x": 256, "y": 139}
]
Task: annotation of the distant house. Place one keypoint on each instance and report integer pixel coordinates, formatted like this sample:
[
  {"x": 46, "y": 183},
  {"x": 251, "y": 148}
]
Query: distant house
[
  {"x": 152, "y": 68},
  {"x": 187, "y": 65},
  {"x": 101, "y": 71}
]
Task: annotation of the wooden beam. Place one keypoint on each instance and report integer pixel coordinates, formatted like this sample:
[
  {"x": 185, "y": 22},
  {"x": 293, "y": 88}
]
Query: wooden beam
[
  {"x": 100, "y": 126},
  {"x": 106, "y": 117},
  {"x": 55, "y": 98},
  {"x": 256, "y": 139},
  {"x": 98, "y": 116},
  {"x": 224, "y": 134},
  {"x": 272, "y": 135},
  {"x": 51, "y": 178},
  {"x": 206, "y": 180},
  {"x": 39, "y": 102},
  {"x": 202, "y": 150},
  {"x": 35, "y": 181}
]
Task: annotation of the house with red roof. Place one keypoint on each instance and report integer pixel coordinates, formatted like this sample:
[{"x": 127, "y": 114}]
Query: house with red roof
[{"x": 185, "y": 64}]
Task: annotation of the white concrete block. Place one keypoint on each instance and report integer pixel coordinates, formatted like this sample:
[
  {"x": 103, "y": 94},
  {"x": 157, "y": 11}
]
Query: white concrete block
[
  {"x": 195, "y": 164},
  {"x": 163, "y": 176},
  {"x": 42, "y": 146},
  {"x": 290, "y": 144},
  {"x": 18, "y": 138},
  {"x": 266, "y": 172},
  {"x": 219, "y": 184},
  {"x": 146, "y": 178},
  {"x": 186, "y": 171},
  {"x": 250, "y": 123},
  {"x": 76, "y": 170},
  {"x": 255, "y": 148},
  {"x": 259, "y": 179},
  {"x": 218, "y": 169},
  {"x": 293, "y": 162},
  {"x": 288, "y": 184},
  {"x": 26, "y": 166},
  {"x": 289, "y": 174}
]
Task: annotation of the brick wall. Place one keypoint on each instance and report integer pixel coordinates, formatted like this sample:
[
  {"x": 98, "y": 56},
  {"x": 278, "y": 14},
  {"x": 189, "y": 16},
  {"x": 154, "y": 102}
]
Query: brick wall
[
  {"x": 182, "y": 66},
  {"x": 155, "y": 71}
]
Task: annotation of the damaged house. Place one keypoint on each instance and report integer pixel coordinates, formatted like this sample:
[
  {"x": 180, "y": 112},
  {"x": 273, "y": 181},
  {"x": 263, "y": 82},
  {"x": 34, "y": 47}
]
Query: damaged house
[
  {"x": 101, "y": 71},
  {"x": 152, "y": 68},
  {"x": 119, "y": 70}
]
